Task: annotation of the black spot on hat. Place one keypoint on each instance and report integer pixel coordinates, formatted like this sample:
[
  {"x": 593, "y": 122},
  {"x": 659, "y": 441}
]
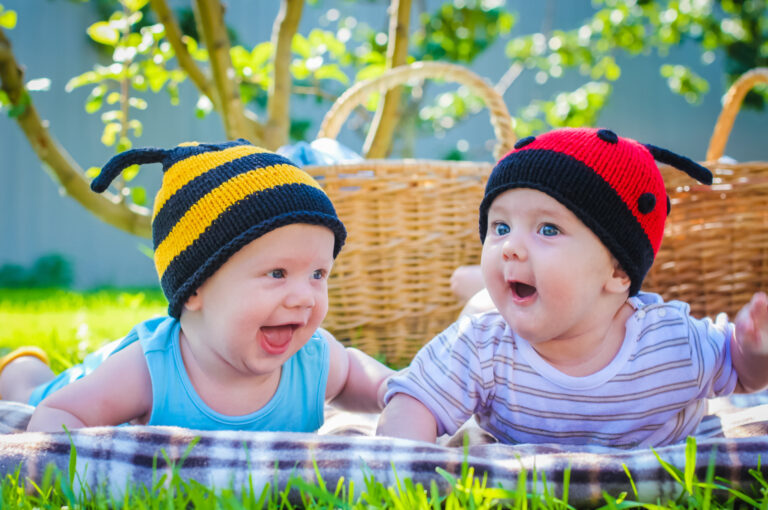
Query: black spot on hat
[
  {"x": 607, "y": 135},
  {"x": 524, "y": 141},
  {"x": 646, "y": 203}
]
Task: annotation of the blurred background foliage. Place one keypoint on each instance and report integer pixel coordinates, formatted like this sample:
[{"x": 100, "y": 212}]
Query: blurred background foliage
[{"x": 140, "y": 62}]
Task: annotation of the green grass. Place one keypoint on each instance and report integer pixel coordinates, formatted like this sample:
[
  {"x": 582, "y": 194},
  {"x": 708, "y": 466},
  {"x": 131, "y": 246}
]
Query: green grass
[
  {"x": 69, "y": 324},
  {"x": 57, "y": 490}
]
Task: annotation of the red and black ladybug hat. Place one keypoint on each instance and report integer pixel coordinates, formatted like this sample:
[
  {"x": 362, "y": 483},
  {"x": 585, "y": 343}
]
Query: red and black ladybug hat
[{"x": 610, "y": 183}]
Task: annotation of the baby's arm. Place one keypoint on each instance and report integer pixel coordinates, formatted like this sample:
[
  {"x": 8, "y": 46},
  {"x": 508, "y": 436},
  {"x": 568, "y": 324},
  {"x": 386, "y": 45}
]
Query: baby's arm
[
  {"x": 355, "y": 380},
  {"x": 408, "y": 418},
  {"x": 466, "y": 281},
  {"x": 118, "y": 391},
  {"x": 749, "y": 346}
]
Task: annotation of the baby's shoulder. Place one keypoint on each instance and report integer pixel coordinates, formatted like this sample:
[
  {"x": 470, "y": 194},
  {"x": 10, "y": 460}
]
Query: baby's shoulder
[
  {"x": 650, "y": 307},
  {"x": 656, "y": 323},
  {"x": 485, "y": 332}
]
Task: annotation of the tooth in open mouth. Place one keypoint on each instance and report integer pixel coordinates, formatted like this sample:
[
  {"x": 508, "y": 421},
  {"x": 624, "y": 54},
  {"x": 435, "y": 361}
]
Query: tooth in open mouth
[{"x": 523, "y": 290}]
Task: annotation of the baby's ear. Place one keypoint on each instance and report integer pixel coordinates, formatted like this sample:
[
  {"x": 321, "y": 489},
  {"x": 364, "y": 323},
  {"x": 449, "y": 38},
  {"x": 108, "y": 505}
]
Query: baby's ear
[
  {"x": 194, "y": 302},
  {"x": 619, "y": 281}
]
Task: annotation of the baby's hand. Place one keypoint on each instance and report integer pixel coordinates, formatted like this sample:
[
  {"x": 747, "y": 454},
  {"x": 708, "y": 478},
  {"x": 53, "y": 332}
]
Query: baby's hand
[
  {"x": 466, "y": 281},
  {"x": 752, "y": 325}
]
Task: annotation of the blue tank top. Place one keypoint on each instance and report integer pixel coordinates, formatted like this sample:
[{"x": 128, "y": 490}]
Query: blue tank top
[{"x": 296, "y": 406}]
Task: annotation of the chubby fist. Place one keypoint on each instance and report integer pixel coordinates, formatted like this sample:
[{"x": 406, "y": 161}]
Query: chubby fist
[{"x": 752, "y": 325}]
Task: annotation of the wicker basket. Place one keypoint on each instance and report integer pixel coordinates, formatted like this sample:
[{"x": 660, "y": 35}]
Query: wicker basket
[
  {"x": 410, "y": 224},
  {"x": 715, "y": 249}
]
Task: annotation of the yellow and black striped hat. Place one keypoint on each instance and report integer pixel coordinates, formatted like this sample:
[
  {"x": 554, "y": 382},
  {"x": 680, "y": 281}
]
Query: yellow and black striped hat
[{"x": 215, "y": 199}]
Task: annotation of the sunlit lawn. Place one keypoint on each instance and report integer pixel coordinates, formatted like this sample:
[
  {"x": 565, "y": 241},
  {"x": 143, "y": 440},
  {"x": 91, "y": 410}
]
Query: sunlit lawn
[{"x": 69, "y": 324}]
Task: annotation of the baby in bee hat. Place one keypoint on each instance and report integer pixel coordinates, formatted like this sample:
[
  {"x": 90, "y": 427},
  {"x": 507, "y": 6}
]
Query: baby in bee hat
[{"x": 244, "y": 244}]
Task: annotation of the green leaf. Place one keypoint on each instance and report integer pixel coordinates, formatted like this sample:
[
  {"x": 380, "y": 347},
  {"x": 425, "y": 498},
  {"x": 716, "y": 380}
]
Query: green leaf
[
  {"x": 93, "y": 103},
  {"x": 136, "y": 126},
  {"x": 113, "y": 97},
  {"x": 301, "y": 46},
  {"x": 109, "y": 135},
  {"x": 104, "y": 33},
  {"x": 123, "y": 144},
  {"x": 299, "y": 70},
  {"x": 690, "y": 464},
  {"x": 240, "y": 57},
  {"x": 87, "y": 78},
  {"x": 135, "y": 5},
  {"x": 194, "y": 49},
  {"x": 93, "y": 172},
  {"x": 139, "y": 195},
  {"x": 155, "y": 75},
  {"x": 19, "y": 108},
  {"x": 325, "y": 41},
  {"x": 8, "y": 19},
  {"x": 261, "y": 54},
  {"x": 130, "y": 173},
  {"x": 373, "y": 101},
  {"x": 332, "y": 72},
  {"x": 371, "y": 71},
  {"x": 173, "y": 92}
]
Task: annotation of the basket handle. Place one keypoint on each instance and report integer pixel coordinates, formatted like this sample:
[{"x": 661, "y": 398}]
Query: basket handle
[
  {"x": 731, "y": 105},
  {"x": 355, "y": 95}
]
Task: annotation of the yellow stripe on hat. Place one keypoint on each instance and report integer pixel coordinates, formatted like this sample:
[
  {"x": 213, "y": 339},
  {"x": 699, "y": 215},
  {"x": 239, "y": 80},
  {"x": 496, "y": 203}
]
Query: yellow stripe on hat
[
  {"x": 182, "y": 172},
  {"x": 211, "y": 206}
]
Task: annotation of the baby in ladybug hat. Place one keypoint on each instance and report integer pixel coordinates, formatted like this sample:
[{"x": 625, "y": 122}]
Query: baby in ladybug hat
[{"x": 574, "y": 352}]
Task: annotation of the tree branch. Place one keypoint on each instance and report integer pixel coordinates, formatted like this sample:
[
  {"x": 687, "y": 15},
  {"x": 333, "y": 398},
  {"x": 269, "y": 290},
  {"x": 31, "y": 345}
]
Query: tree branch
[
  {"x": 214, "y": 33},
  {"x": 186, "y": 62},
  {"x": 278, "y": 108},
  {"x": 106, "y": 206},
  {"x": 379, "y": 139}
]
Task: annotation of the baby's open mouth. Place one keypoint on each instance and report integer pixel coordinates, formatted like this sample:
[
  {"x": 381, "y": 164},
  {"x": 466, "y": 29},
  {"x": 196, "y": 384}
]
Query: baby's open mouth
[
  {"x": 276, "y": 338},
  {"x": 522, "y": 290}
]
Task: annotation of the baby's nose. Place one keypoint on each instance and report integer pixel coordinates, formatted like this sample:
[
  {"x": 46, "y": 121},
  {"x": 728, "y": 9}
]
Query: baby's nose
[
  {"x": 301, "y": 295},
  {"x": 514, "y": 247}
]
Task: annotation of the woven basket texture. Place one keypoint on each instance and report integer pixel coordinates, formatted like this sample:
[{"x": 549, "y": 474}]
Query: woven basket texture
[{"x": 714, "y": 255}]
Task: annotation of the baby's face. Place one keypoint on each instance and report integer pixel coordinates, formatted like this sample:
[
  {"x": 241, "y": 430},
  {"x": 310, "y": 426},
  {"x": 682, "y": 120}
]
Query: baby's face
[
  {"x": 544, "y": 269},
  {"x": 267, "y": 300}
]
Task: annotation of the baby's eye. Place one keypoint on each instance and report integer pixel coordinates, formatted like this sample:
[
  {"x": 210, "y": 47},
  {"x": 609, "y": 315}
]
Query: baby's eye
[
  {"x": 501, "y": 229},
  {"x": 319, "y": 274},
  {"x": 549, "y": 230},
  {"x": 277, "y": 273}
]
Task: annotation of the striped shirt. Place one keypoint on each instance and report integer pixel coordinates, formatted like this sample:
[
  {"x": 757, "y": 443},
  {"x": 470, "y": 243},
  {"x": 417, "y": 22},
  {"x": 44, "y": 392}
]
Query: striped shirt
[{"x": 652, "y": 393}]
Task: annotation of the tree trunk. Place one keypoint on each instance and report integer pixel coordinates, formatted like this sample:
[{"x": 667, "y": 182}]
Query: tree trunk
[
  {"x": 106, "y": 206},
  {"x": 210, "y": 17},
  {"x": 379, "y": 140},
  {"x": 278, "y": 107}
]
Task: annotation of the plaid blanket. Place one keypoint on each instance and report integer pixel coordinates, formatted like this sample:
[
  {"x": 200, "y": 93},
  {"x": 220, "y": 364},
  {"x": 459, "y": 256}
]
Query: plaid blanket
[{"x": 735, "y": 437}]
